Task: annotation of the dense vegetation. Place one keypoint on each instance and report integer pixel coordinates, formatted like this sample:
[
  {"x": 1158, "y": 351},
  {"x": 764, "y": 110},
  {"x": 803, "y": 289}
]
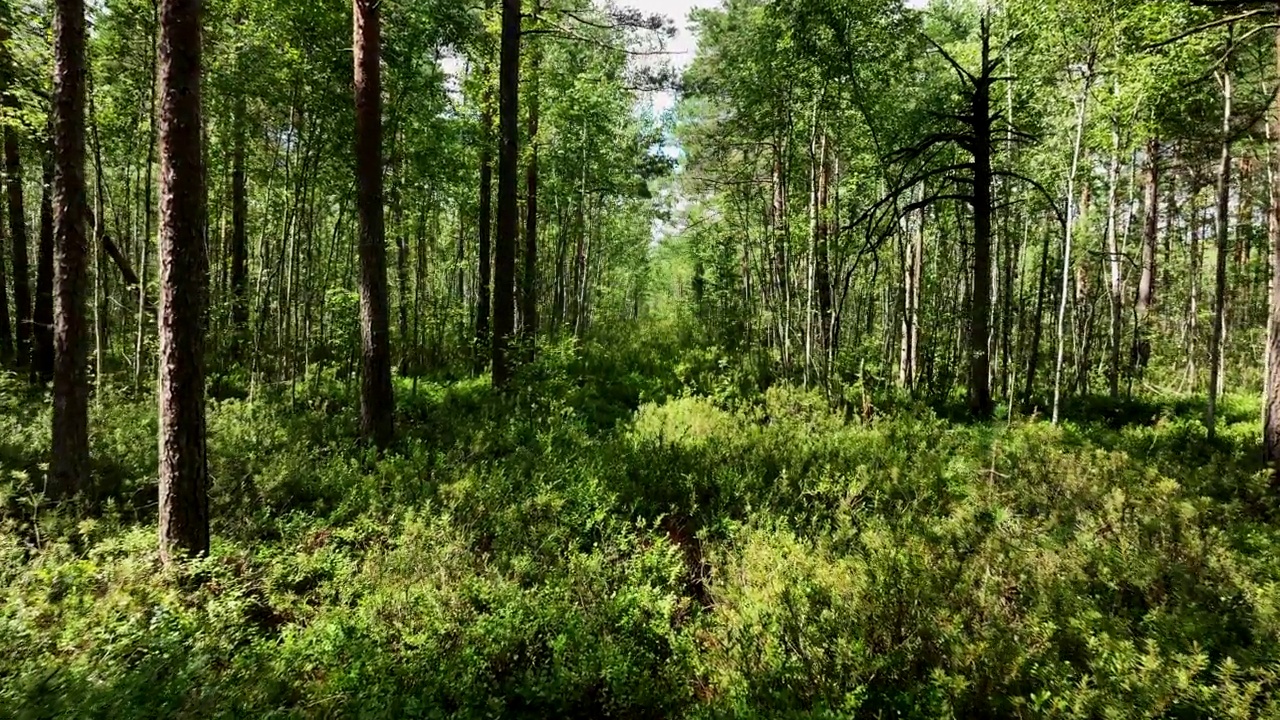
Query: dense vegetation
[{"x": 399, "y": 359}]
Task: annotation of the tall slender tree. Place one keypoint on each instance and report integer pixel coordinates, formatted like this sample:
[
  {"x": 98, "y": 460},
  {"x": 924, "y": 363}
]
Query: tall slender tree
[
  {"x": 504, "y": 295},
  {"x": 376, "y": 399},
  {"x": 69, "y": 466},
  {"x": 529, "y": 289},
  {"x": 18, "y": 239},
  {"x": 42, "y": 312},
  {"x": 184, "y": 280}
]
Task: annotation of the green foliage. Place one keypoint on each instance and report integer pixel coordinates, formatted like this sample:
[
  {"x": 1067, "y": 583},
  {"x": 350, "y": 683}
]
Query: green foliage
[{"x": 635, "y": 544}]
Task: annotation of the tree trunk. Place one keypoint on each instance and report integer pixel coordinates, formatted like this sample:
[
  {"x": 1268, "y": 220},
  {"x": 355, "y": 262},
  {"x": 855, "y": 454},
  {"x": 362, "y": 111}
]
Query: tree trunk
[
  {"x": 69, "y": 467},
  {"x": 508, "y": 211},
  {"x": 239, "y": 233},
  {"x": 980, "y": 401},
  {"x": 1271, "y": 390},
  {"x": 377, "y": 403},
  {"x": 42, "y": 317},
  {"x": 1081, "y": 104},
  {"x": 6, "y": 322},
  {"x": 1113, "y": 261},
  {"x": 184, "y": 281},
  {"x": 145, "y": 245},
  {"x": 529, "y": 291},
  {"x": 1220, "y": 271},
  {"x": 1150, "y": 238},
  {"x": 18, "y": 236}
]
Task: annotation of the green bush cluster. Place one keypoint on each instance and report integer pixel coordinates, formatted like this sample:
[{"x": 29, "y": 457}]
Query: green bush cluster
[{"x": 630, "y": 536}]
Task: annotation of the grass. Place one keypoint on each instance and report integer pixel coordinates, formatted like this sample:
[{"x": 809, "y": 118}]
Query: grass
[{"x": 632, "y": 537}]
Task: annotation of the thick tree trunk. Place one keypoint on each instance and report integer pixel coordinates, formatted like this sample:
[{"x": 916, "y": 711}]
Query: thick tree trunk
[
  {"x": 69, "y": 466},
  {"x": 504, "y": 299},
  {"x": 184, "y": 282},
  {"x": 376, "y": 399},
  {"x": 1150, "y": 238},
  {"x": 529, "y": 290},
  {"x": 1220, "y": 270},
  {"x": 18, "y": 237}
]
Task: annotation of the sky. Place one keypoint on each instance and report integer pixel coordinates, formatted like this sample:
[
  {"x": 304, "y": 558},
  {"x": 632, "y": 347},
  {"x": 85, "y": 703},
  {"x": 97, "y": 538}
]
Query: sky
[{"x": 680, "y": 48}]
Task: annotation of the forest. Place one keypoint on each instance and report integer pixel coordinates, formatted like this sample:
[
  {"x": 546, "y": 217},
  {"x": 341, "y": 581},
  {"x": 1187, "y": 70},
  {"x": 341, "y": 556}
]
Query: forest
[{"x": 416, "y": 358}]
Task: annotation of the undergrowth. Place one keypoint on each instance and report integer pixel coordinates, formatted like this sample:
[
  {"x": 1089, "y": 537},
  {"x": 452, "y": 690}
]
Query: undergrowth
[{"x": 632, "y": 537}]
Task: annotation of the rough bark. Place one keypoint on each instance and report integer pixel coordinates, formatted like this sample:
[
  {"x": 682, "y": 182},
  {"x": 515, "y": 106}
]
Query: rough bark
[
  {"x": 69, "y": 463},
  {"x": 504, "y": 300},
  {"x": 184, "y": 280},
  {"x": 376, "y": 399}
]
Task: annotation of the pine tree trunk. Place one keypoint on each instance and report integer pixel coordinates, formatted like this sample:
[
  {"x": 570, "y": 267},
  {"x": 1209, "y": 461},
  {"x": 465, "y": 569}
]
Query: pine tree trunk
[
  {"x": 18, "y": 238},
  {"x": 184, "y": 282},
  {"x": 69, "y": 467},
  {"x": 504, "y": 297},
  {"x": 1220, "y": 271},
  {"x": 376, "y": 399},
  {"x": 529, "y": 290}
]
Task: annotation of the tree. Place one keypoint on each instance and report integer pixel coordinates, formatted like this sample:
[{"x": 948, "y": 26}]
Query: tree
[
  {"x": 377, "y": 403},
  {"x": 69, "y": 467},
  {"x": 504, "y": 289},
  {"x": 184, "y": 270},
  {"x": 18, "y": 239}
]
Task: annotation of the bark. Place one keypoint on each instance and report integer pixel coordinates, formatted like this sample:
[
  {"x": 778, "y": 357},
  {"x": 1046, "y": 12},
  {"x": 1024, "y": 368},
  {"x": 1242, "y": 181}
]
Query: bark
[
  {"x": 42, "y": 316},
  {"x": 1271, "y": 390},
  {"x": 1150, "y": 238},
  {"x": 484, "y": 229},
  {"x": 69, "y": 465},
  {"x": 1113, "y": 262},
  {"x": 376, "y": 399},
  {"x": 504, "y": 300},
  {"x": 18, "y": 237},
  {"x": 1220, "y": 270},
  {"x": 184, "y": 280},
  {"x": 1081, "y": 104},
  {"x": 980, "y": 401},
  {"x": 145, "y": 244},
  {"x": 6, "y": 322},
  {"x": 529, "y": 291},
  {"x": 239, "y": 232}
]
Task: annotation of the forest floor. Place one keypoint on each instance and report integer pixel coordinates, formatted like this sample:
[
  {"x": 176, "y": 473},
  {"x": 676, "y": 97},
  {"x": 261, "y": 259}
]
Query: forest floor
[{"x": 641, "y": 533}]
